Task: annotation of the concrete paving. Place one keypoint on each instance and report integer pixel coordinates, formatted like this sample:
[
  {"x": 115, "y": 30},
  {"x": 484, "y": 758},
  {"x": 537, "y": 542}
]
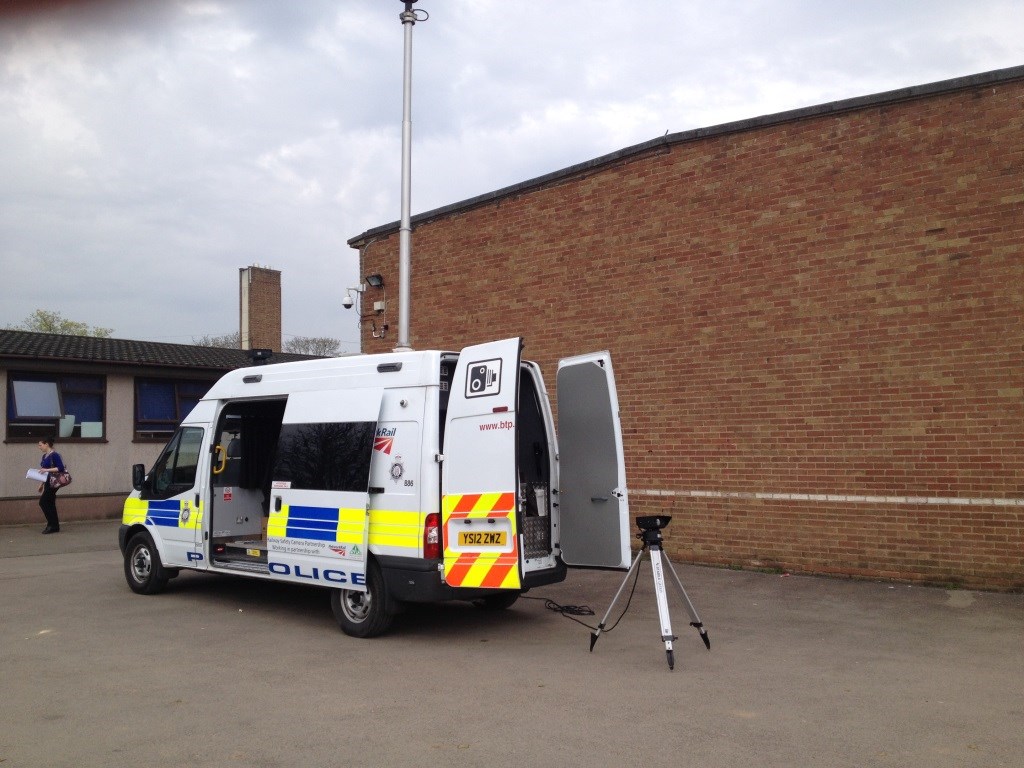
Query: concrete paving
[{"x": 221, "y": 671}]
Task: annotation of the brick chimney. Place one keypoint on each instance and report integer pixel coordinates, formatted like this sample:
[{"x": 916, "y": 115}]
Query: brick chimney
[{"x": 260, "y": 308}]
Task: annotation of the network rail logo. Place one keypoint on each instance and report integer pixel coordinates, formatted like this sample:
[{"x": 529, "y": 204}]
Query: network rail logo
[{"x": 384, "y": 440}]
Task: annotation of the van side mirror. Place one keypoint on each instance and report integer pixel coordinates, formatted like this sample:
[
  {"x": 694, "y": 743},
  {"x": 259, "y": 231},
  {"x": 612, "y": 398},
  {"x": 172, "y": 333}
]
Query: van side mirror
[{"x": 138, "y": 476}]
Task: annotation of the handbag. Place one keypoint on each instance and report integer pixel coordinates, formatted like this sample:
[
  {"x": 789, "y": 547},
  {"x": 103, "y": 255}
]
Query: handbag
[{"x": 60, "y": 479}]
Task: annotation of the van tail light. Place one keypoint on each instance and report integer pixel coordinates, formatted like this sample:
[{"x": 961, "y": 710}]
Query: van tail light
[{"x": 432, "y": 537}]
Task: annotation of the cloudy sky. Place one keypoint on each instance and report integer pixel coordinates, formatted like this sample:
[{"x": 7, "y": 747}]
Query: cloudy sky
[{"x": 150, "y": 148}]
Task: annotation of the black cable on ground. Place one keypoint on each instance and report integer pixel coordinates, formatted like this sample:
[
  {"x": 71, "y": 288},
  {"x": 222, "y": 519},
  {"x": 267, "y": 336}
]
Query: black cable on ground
[{"x": 572, "y": 611}]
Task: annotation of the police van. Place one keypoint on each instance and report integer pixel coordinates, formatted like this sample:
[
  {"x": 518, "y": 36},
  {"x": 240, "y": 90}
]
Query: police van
[{"x": 390, "y": 478}]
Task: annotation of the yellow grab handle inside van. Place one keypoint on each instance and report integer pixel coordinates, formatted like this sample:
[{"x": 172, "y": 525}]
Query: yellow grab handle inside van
[{"x": 223, "y": 459}]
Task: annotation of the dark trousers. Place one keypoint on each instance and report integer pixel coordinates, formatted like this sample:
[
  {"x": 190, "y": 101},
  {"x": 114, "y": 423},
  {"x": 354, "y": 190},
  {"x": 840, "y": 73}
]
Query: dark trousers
[{"x": 48, "y": 503}]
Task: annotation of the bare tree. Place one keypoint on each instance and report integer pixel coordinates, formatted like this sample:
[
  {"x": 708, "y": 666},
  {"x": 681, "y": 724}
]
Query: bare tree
[
  {"x": 228, "y": 340},
  {"x": 297, "y": 345},
  {"x": 313, "y": 345}
]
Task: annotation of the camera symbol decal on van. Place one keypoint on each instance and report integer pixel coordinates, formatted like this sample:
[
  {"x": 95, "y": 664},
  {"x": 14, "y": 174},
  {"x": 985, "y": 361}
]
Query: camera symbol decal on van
[{"x": 483, "y": 378}]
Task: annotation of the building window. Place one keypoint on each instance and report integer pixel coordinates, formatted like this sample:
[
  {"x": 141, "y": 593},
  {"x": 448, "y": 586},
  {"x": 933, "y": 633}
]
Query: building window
[
  {"x": 161, "y": 404},
  {"x": 61, "y": 406}
]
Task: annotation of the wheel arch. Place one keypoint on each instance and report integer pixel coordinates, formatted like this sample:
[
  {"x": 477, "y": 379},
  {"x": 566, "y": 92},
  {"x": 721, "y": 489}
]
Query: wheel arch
[
  {"x": 127, "y": 532},
  {"x": 383, "y": 606}
]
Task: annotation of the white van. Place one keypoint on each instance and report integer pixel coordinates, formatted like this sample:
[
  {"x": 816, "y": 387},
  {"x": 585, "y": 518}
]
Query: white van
[{"x": 393, "y": 478}]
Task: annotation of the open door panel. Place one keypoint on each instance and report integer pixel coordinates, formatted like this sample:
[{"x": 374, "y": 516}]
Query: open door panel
[
  {"x": 478, "y": 477},
  {"x": 594, "y": 504}
]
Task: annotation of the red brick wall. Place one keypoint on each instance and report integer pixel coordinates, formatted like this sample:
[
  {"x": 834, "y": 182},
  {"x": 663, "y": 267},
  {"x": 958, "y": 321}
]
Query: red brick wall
[{"x": 817, "y": 328}]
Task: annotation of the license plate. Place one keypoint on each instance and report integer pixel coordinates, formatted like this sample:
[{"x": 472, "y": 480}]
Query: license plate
[{"x": 482, "y": 538}]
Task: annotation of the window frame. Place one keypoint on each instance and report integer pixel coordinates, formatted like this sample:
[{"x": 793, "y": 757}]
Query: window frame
[
  {"x": 70, "y": 386},
  {"x": 163, "y": 482},
  {"x": 157, "y": 430}
]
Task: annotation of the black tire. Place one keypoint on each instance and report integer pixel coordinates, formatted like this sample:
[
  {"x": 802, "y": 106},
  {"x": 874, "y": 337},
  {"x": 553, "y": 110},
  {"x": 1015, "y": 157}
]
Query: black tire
[
  {"x": 364, "y": 614},
  {"x": 143, "y": 570},
  {"x": 499, "y": 601}
]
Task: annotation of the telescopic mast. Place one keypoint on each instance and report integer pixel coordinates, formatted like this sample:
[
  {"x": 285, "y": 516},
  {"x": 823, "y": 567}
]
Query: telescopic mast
[{"x": 408, "y": 17}]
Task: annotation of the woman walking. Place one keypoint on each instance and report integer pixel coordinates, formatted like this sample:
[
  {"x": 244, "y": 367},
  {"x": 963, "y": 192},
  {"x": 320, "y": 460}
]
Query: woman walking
[{"x": 50, "y": 463}]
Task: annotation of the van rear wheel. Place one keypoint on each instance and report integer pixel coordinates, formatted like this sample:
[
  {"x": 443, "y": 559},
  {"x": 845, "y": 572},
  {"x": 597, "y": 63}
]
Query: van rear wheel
[
  {"x": 143, "y": 570},
  {"x": 364, "y": 614}
]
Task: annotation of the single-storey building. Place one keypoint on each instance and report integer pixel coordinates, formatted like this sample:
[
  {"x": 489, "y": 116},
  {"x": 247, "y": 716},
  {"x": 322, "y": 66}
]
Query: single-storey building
[{"x": 111, "y": 403}]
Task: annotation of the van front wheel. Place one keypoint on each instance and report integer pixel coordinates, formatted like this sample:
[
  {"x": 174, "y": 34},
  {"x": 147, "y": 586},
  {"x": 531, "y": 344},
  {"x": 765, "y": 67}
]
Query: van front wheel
[
  {"x": 143, "y": 570},
  {"x": 364, "y": 614}
]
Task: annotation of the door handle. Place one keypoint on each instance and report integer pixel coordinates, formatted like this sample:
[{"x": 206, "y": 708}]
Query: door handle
[
  {"x": 277, "y": 503},
  {"x": 219, "y": 450},
  {"x": 601, "y": 499}
]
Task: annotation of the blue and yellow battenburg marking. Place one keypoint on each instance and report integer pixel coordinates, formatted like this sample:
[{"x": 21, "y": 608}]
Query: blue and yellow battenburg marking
[
  {"x": 168, "y": 513},
  {"x": 394, "y": 529},
  {"x": 333, "y": 524}
]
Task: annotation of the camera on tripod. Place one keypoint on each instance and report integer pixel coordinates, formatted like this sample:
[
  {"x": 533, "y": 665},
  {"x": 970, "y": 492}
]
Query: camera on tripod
[
  {"x": 653, "y": 522},
  {"x": 650, "y": 528}
]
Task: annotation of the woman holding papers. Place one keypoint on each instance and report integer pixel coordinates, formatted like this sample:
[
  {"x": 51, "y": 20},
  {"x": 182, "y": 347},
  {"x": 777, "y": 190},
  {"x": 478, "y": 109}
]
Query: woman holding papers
[{"x": 50, "y": 463}]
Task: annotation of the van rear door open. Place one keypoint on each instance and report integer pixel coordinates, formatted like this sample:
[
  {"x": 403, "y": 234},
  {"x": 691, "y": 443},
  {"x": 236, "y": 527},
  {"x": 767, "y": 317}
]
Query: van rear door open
[
  {"x": 592, "y": 471},
  {"x": 319, "y": 520},
  {"x": 478, "y": 475}
]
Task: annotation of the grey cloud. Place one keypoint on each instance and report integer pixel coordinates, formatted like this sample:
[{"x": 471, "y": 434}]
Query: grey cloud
[{"x": 152, "y": 148}]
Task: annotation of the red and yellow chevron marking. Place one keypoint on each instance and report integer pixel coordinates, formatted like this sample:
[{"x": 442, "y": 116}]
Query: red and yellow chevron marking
[{"x": 496, "y": 570}]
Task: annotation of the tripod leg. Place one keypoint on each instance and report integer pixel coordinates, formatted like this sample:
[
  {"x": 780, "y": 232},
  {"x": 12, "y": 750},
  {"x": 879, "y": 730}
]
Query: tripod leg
[
  {"x": 659, "y": 591},
  {"x": 600, "y": 627},
  {"x": 694, "y": 618}
]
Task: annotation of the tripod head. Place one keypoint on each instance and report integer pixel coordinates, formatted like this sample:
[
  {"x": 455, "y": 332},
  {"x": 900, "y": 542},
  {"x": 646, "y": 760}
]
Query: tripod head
[{"x": 650, "y": 528}]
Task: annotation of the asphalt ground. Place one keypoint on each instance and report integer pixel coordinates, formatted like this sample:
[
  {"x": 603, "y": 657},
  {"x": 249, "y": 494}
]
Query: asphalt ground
[{"x": 224, "y": 671}]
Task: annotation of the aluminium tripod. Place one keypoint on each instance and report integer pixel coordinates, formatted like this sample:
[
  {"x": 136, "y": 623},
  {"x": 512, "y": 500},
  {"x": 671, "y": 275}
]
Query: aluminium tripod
[{"x": 650, "y": 535}]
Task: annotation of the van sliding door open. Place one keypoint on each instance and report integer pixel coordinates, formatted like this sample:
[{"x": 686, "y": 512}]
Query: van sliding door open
[{"x": 319, "y": 518}]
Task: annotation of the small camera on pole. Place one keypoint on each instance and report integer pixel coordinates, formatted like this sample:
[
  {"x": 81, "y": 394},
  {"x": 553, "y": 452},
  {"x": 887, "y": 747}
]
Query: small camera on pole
[{"x": 651, "y": 537}]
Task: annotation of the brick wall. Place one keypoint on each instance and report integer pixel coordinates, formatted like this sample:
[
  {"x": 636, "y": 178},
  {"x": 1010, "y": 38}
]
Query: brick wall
[
  {"x": 260, "y": 308},
  {"x": 817, "y": 325}
]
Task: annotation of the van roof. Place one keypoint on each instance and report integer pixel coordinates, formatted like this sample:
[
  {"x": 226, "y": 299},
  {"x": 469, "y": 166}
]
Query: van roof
[{"x": 388, "y": 370}]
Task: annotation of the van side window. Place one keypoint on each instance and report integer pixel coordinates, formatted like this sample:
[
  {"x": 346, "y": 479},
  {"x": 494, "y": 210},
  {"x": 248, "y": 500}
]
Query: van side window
[
  {"x": 325, "y": 457},
  {"x": 175, "y": 470}
]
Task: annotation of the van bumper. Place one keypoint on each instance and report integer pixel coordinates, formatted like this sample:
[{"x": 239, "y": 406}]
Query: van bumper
[
  {"x": 547, "y": 576},
  {"x": 420, "y": 581}
]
